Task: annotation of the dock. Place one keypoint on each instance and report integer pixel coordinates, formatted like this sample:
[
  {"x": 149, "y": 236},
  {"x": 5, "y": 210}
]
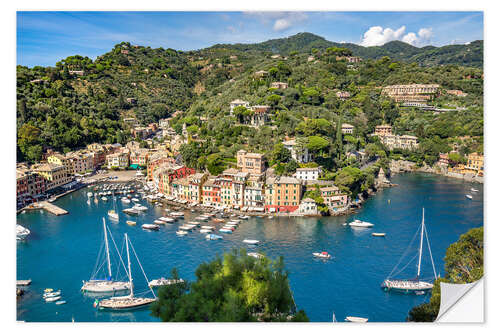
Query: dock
[
  {"x": 51, "y": 208},
  {"x": 23, "y": 283}
]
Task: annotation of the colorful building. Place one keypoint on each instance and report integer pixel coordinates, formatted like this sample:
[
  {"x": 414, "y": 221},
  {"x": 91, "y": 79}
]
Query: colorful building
[
  {"x": 55, "y": 175},
  {"x": 333, "y": 198},
  {"x": 252, "y": 163},
  {"x": 283, "y": 194}
]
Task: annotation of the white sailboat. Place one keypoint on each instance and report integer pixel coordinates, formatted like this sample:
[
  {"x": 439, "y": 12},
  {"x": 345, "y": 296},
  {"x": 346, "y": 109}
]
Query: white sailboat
[
  {"x": 129, "y": 301},
  {"x": 113, "y": 214},
  {"x": 105, "y": 285},
  {"x": 416, "y": 284}
]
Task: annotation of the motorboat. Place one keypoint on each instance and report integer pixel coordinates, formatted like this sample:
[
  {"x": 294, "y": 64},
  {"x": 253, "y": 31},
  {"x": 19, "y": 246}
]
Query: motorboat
[
  {"x": 205, "y": 231},
  {"x": 213, "y": 237},
  {"x": 21, "y": 232},
  {"x": 255, "y": 255},
  {"x": 131, "y": 222},
  {"x": 468, "y": 196},
  {"x": 167, "y": 219},
  {"x": 251, "y": 241},
  {"x": 194, "y": 223},
  {"x": 201, "y": 218},
  {"x": 104, "y": 199},
  {"x": 159, "y": 222},
  {"x": 52, "y": 294},
  {"x": 60, "y": 302},
  {"x": 148, "y": 226},
  {"x": 181, "y": 233},
  {"x": 125, "y": 200},
  {"x": 226, "y": 230},
  {"x": 131, "y": 211},
  {"x": 356, "y": 319},
  {"x": 177, "y": 214},
  {"x": 52, "y": 299},
  {"x": 208, "y": 227},
  {"x": 135, "y": 200},
  {"x": 378, "y": 234},
  {"x": 163, "y": 282},
  {"x": 322, "y": 255},
  {"x": 244, "y": 217},
  {"x": 473, "y": 189},
  {"x": 361, "y": 224},
  {"x": 90, "y": 194},
  {"x": 140, "y": 207}
]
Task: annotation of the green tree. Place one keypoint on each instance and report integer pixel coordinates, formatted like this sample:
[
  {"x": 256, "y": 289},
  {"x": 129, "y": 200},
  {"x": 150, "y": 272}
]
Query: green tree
[
  {"x": 235, "y": 288},
  {"x": 280, "y": 154}
]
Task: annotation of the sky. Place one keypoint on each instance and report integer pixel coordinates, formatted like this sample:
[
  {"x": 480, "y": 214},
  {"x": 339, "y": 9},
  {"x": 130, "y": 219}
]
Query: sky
[{"x": 44, "y": 38}]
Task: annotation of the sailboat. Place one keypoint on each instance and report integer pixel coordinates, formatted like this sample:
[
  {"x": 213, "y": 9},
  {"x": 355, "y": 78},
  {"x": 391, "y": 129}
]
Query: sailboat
[
  {"x": 106, "y": 285},
  {"x": 416, "y": 284},
  {"x": 129, "y": 301},
  {"x": 112, "y": 213}
]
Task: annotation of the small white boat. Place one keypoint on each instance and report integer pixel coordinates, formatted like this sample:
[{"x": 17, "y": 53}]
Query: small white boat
[
  {"x": 322, "y": 255},
  {"x": 356, "y": 319},
  {"x": 378, "y": 234},
  {"x": 167, "y": 219},
  {"x": 205, "y": 231},
  {"x": 113, "y": 214},
  {"x": 131, "y": 211},
  {"x": 52, "y": 299},
  {"x": 208, "y": 227},
  {"x": 181, "y": 233},
  {"x": 419, "y": 292},
  {"x": 21, "y": 232},
  {"x": 468, "y": 196},
  {"x": 131, "y": 222},
  {"x": 201, "y": 218},
  {"x": 251, "y": 241},
  {"x": 159, "y": 222},
  {"x": 163, "y": 282},
  {"x": 147, "y": 226},
  {"x": 255, "y": 255},
  {"x": 269, "y": 217},
  {"x": 244, "y": 217},
  {"x": 473, "y": 189},
  {"x": 135, "y": 200},
  {"x": 60, "y": 302},
  {"x": 213, "y": 237},
  {"x": 361, "y": 224},
  {"x": 225, "y": 230},
  {"x": 177, "y": 214},
  {"x": 125, "y": 200},
  {"x": 140, "y": 207},
  {"x": 90, "y": 194},
  {"x": 194, "y": 223},
  {"x": 52, "y": 294},
  {"x": 103, "y": 199}
]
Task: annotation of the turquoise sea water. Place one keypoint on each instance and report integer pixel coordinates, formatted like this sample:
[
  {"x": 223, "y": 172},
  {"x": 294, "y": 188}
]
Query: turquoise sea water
[{"x": 61, "y": 251}]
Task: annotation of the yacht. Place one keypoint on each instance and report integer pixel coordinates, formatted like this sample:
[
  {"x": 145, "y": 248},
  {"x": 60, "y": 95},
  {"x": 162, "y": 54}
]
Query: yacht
[
  {"x": 361, "y": 224},
  {"x": 163, "y": 282},
  {"x": 21, "y": 232},
  {"x": 147, "y": 226}
]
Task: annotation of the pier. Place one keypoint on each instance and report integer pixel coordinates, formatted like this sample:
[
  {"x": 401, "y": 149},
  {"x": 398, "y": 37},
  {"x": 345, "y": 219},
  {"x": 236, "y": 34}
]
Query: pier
[{"x": 51, "y": 208}]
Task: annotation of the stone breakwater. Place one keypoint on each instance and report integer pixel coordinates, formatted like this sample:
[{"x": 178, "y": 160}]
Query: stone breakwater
[{"x": 401, "y": 166}]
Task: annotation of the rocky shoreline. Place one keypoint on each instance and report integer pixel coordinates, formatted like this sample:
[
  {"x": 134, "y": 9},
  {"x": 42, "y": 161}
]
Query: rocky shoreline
[{"x": 403, "y": 166}]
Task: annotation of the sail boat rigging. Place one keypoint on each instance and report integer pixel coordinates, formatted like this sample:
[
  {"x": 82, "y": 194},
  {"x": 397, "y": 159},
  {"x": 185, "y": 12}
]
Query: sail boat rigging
[
  {"x": 129, "y": 301},
  {"x": 416, "y": 284},
  {"x": 108, "y": 284},
  {"x": 112, "y": 213}
]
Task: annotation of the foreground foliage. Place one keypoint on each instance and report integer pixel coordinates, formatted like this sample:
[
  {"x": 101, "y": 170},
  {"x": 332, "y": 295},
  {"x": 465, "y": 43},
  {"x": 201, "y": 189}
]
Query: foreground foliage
[{"x": 234, "y": 288}]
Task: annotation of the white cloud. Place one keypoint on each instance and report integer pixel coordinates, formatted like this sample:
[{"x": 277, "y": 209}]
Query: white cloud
[
  {"x": 280, "y": 20},
  {"x": 377, "y": 36}
]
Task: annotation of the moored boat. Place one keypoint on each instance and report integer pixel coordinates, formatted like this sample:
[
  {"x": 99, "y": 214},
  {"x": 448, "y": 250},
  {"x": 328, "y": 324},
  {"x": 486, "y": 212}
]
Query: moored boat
[
  {"x": 226, "y": 230},
  {"x": 322, "y": 255},
  {"x": 213, "y": 237},
  {"x": 205, "y": 231},
  {"x": 378, "y": 234},
  {"x": 181, "y": 233},
  {"x": 52, "y": 299},
  {"x": 113, "y": 214},
  {"x": 356, "y": 319},
  {"x": 131, "y": 222},
  {"x": 361, "y": 224},
  {"x": 148, "y": 226},
  {"x": 163, "y": 282},
  {"x": 21, "y": 232},
  {"x": 468, "y": 196},
  {"x": 251, "y": 241},
  {"x": 130, "y": 211}
]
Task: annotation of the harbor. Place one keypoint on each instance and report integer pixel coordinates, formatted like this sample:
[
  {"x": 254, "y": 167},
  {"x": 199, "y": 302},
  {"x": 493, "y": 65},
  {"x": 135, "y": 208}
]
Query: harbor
[{"x": 359, "y": 262}]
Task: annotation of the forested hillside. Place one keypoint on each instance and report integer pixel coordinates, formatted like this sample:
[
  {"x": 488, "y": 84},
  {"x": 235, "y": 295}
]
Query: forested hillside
[{"x": 80, "y": 100}]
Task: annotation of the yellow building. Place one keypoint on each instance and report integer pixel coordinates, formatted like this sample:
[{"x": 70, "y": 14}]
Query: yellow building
[
  {"x": 283, "y": 194},
  {"x": 54, "y": 174},
  {"x": 475, "y": 164},
  {"x": 62, "y": 160}
]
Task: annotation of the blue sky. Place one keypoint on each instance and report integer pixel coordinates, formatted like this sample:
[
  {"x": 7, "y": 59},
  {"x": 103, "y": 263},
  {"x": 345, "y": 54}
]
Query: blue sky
[{"x": 43, "y": 38}]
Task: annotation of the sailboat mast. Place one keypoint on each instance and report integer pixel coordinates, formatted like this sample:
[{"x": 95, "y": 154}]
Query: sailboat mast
[
  {"x": 129, "y": 271},
  {"x": 421, "y": 242},
  {"x": 107, "y": 246}
]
